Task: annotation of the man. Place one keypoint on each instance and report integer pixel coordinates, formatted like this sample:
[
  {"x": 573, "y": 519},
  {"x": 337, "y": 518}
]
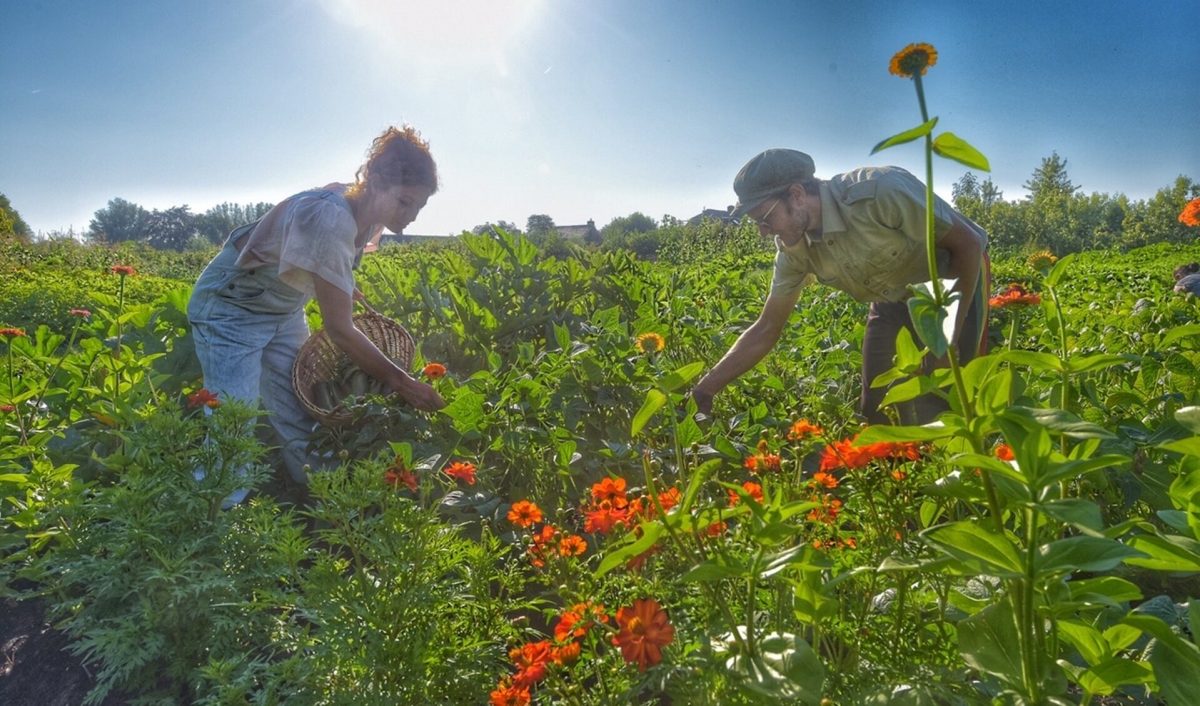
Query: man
[
  {"x": 862, "y": 232},
  {"x": 1187, "y": 278}
]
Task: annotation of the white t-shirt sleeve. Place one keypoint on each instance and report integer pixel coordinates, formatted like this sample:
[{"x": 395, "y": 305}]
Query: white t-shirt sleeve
[{"x": 318, "y": 239}]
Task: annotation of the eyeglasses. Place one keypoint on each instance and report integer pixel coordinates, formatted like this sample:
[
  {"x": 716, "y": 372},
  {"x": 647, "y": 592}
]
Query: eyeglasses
[{"x": 762, "y": 220}]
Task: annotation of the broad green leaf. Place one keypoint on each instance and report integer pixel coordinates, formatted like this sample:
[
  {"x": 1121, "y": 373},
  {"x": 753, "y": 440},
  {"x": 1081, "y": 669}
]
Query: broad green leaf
[
  {"x": 466, "y": 411},
  {"x": 980, "y": 549},
  {"x": 885, "y": 432},
  {"x": 1189, "y": 417},
  {"x": 721, "y": 566},
  {"x": 1034, "y": 360},
  {"x": 1166, "y": 553},
  {"x": 1077, "y": 512},
  {"x": 681, "y": 377},
  {"x": 908, "y": 390},
  {"x": 1081, "y": 554},
  {"x": 952, "y": 146},
  {"x": 1106, "y": 677},
  {"x": 1176, "y": 661},
  {"x": 1061, "y": 422},
  {"x": 1188, "y": 447},
  {"x": 1177, "y": 333},
  {"x": 1086, "y": 639},
  {"x": 1058, "y": 270},
  {"x": 650, "y": 534},
  {"x": 931, "y": 321},
  {"x": 907, "y": 136},
  {"x": 655, "y": 399},
  {"x": 1089, "y": 363},
  {"x": 988, "y": 642}
]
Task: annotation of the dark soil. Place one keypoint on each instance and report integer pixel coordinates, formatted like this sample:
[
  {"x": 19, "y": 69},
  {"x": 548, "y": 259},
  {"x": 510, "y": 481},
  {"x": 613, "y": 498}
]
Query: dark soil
[{"x": 35, "y": 667}]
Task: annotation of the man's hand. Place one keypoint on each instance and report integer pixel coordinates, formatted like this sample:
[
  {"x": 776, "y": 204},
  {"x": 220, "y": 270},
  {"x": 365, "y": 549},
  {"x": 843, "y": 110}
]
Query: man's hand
[{"x": 703, "y": 400}]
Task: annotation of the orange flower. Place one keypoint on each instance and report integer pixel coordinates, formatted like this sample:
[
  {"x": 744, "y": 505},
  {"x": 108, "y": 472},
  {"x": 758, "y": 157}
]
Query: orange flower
[
  {"x": 1004, "y": 452},
  {"x": 802, "y": 429},
  {"x": 542, "y": 541},
  {"x": 761, "y": 463},
  {"x": 669, "y": 498},
  {"x": 1190, "y": 215},
  {"x": 899, "y": 474},
  {"x": 530, "y": 660},
  {"x": 398, "y": 474},
  {"x": 611, "y": 490},
  {"x": 462, "y": 471},
  {"x": 845, "y": 454},
  {"x": 563, "y": 655},
  {"x": 524, "y": 513},
  {"x": 1015, "y": 295},
  {"x": 509, "y": 695},
  {"x": 754, "y": 490},
  {"x": 434, "y": 371},
  {"x": 603, "y": 518},
  {"x": 576, "y": 621},
  {"x": 123, "y": 270},
  {"x": 572, "y": 545},
  {"x": 6, "y": 408},
  {"x": 913, "y": 59},
  {"x": 826, "y": 480},
  {"x": 11, "y": 332},
  {"x": 828, "y": 512},
  {"x": 716, "y": 529},
  {"x": 644, "y": 631},
  {"x": 203, "y": 398},
  {"x": 650, "y": 343},
  {"x": 81, "y": 313}
]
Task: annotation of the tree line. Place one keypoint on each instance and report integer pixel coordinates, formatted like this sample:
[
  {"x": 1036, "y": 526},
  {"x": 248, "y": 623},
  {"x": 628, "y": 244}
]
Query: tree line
[{"x": 1055, "y": 214}]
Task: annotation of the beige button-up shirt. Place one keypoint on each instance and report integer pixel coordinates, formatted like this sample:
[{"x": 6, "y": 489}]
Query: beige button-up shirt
[{"x": 872, "y": 241}]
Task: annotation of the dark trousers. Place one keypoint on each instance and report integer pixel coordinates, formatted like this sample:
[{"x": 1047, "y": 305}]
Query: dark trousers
[{"x": 884, "y": 321}]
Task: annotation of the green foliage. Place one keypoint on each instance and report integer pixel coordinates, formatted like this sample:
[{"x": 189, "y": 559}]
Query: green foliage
[{"x": 11, "y": 222}]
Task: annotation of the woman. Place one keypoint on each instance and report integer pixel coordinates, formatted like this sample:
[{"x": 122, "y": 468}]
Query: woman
[{"x": 247, "y": 308}]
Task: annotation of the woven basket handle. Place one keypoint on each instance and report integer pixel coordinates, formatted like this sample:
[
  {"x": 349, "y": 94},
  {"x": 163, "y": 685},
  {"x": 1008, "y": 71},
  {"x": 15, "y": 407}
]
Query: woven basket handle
[{"x": 362, "y": 299}]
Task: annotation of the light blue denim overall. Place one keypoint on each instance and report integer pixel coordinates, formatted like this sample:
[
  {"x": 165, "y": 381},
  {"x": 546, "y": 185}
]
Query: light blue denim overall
[{"x": 248, "y": 327}]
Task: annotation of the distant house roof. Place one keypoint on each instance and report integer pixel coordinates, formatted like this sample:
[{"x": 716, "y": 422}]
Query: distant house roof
[
  {"x": 713, "y": 214},
  {"x": 587, "y": 232},
  {"x": 412, "y": 238}
]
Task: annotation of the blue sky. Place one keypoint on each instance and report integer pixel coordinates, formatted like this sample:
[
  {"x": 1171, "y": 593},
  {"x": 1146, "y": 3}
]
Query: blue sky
[{"x": 573, "y": 109}]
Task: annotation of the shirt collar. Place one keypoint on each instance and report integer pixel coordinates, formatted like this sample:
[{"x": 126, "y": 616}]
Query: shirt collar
[{"x": 831, "y": 216}]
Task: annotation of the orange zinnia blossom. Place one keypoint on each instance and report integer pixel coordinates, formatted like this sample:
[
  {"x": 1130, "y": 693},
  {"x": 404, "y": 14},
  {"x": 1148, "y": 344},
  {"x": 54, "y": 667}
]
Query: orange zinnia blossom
[
  {"x": 524, "y": 513},
  {"x": 1015, "y": 295},
  {"x": 611, "y": 490},
  {"x": 802, "y": 429},
  {"x": 716, "y": 529},
  {"x": 603, "y": 518},
  {"x": 644, "y": 631},
  {"x": 761, "y": 463},
  {"x": 828, "y": 512},
  {"x": 434, "y": 371},
  {"x": 826, "y": 480},
  {"x": 530, "y": 660},
  {"x": 563, "y": 655},
  {"x": 1190, "y": 215},
  {"x": 462, "y": 471},
  {"x": 12, "y": 332},
  {"x": 913, "y": 59},
  {"x": 509, "y": 695},
  {"x": 1004, "y": 452},
  {"x": 7, "y": 408},
  {"x": 398, "y": 476},
  {"x": 572, "y": 545},
  {"x": 203, "y": 398},
  {"x": 899, "y": 474},
  {"x": 754, "y": 490},
  {"x": 669, "y": 498},
  {"x": 577, "y": 620},
  {"x": 123, "y": 270}
]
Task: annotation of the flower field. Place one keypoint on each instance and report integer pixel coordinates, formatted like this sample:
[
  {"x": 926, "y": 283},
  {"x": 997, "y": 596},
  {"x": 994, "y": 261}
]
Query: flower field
[{"x": 569, "y": 531}]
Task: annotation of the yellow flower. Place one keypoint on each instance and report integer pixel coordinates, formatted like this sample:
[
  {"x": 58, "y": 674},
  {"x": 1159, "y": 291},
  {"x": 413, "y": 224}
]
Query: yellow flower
[
  {"x": 913, "y": 59},
  {"x": 1041, "y": 260},
  {"x": 650, "y": 343}
]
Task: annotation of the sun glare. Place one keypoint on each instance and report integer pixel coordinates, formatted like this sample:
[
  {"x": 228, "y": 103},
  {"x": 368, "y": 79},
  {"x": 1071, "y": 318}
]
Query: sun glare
[{"x": 463, "y": 32}]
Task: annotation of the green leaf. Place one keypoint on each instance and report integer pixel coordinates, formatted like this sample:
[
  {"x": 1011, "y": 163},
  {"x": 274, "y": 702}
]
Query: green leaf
[
  {"x": 650, "y": 534},
  {"x": 907, "y": 136},
  {"x": 1106, "y": 677},
  {"x": 1056, "y": 273},
  {"x": 952, "y": 146},
  {"x": 655, "y": 399},
  {"x": 988, "y": 642},
  {"x": 1081, "y": 554},
  {"x": 681, "y": 377},
  {"x": 721, "y": 566},
  {"x": 1174, "y": 334},
  {"x": 982, "y": 550},
  {"x": 1176, "y": 661},
  {"x": 1086, "y": 639},
  {"x": 885, "y": 432},
  {"x": 1189, "y": 417},
  {"x": 929, "y": 319},
  {"x": 1166, "y": 553},
  {"x": 466, "y": 411},
  {"x": 1077, "y": 512},
  {"x": 1089, "y": 363}
]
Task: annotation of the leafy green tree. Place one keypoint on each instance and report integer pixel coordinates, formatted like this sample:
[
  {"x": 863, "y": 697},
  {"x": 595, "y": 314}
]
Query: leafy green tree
[
  {"x": 171, "y": 229},
  {"x": 216, "y": 223},
  {"x": 622, "y": 227},
  {"x": 11, "y": 222},
  {"x": 539, "y": 224},
  {"x": 118, "y": 222},
  {"x": 1050, "y": 179},
  {"x": 510, "y": 228}
]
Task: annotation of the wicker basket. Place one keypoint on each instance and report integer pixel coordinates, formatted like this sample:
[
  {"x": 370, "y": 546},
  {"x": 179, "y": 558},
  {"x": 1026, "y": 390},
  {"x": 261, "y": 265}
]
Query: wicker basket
[{"x": 319, "y": 360}]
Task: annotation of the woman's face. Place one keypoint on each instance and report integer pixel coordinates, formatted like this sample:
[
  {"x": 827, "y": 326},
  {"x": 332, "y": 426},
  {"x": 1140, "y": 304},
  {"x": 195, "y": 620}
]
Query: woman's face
[{"x": 396, "y": 206}]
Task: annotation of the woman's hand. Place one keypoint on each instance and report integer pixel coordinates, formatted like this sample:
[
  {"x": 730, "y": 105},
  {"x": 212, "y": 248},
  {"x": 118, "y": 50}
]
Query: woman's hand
[{"x": 421, "y": 395}]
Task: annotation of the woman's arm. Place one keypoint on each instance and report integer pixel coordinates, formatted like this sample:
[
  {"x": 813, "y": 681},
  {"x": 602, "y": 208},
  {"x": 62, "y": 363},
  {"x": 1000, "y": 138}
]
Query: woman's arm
[{"x": 337, "y": 308}]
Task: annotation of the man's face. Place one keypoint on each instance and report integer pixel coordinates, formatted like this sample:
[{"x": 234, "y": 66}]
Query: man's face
[{"x": 783, "y": 214}]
